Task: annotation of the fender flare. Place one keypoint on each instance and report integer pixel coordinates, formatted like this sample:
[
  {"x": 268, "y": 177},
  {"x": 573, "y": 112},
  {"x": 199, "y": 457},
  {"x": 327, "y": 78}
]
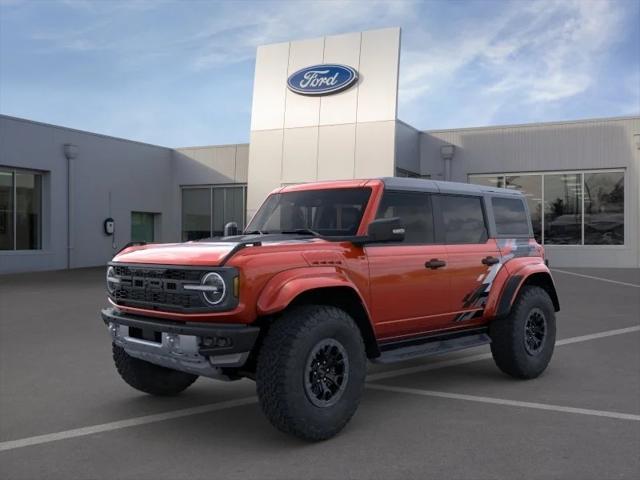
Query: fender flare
[
  {"x": 285, "y": 286},
  {"x": 530, "y": 273}
]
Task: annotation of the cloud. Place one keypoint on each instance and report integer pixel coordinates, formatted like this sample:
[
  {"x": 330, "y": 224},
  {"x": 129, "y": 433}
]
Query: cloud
[
  {"x": 233, "y": 35},
  {"x": 530, "y": 53}
]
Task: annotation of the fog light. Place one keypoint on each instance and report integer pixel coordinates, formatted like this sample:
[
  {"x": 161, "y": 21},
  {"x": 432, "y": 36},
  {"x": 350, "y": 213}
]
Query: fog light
[{"x": 174, "y": 342}]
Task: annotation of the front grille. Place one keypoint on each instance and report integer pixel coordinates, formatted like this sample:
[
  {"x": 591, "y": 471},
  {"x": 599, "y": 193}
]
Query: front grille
[{"x": 158, "y": 288}]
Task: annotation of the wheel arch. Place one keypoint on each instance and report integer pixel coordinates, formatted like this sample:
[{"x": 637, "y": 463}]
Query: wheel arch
[
  {"x": 320, "y": 286},
  {"x": 514, "y": 285},
  {"x": 347, "y": 299}
]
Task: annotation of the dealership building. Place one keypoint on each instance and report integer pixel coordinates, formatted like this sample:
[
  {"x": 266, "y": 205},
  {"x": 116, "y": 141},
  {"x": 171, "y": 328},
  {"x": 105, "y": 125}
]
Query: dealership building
[{"x": 323, "y": 109}]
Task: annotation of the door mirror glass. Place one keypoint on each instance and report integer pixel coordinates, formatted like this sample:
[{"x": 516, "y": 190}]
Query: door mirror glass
[{"x": 385, "y": 230}]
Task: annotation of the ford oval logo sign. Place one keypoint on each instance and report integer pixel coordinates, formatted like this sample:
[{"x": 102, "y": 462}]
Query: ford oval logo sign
[{"x": 322, "y": 79}]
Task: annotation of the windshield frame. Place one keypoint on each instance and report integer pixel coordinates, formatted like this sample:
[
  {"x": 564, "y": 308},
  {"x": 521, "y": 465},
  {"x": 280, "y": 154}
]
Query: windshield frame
[{"x": 274, "y": 201}]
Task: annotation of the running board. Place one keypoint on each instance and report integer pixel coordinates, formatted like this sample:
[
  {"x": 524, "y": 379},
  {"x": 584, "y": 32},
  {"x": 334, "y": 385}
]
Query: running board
[{"x": 432, "y": 345}]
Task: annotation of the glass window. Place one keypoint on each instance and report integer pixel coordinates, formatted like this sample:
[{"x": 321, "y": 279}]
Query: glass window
[
  {"x": 488, "y": 180},
  {"x": 142, "y": 226},
  {"x": 28, "y": 211},
  {"x": 463, "y": 219},
  {"x": 604, "y": 208},
  {"x": 531, "y": 187},
  {"x": 20, "y": 210},
  {"x": 332, "y": 212},
  {"x": 510, "y": 216},
  {"x": 218, "y": 209},
  {"x": 196, "y": 213},
  {"x": 206, "y": 210},
  {"x": 234, "y": 206},
  {"x": 562, "y": 209},
  {"x": 414, "y": 209},
  {"x": 6, "y": 210},
  {"x": 228, "y": 206}
]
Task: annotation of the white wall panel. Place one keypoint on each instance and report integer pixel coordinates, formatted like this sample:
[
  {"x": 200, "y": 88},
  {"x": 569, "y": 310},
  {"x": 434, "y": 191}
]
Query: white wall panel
[
  {"x": 300, "y": 155},
  {"x": 242, "y": 163},
  {"x": 341, "y": 107},
  {"x": 265, "y": 166},
  {"x": 378, "y": 84},
  {"x": 336, "y": 152},
  {"x": 270, "y": 86},
  {"x": 301, "y": 110},
  {"x": 375, "y": 146}
]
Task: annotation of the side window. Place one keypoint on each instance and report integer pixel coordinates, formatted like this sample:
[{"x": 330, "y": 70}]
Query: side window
[
  {"x": 463, "y": 219},
  {"x": 511, "y": 217},
  {"x": 414, "y": 209}
]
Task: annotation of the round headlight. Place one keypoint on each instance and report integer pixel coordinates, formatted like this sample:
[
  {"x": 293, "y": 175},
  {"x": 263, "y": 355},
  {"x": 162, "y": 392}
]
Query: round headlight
[
  {"x": 215, "y": 288},
  {"x": 112, "y": 280}
]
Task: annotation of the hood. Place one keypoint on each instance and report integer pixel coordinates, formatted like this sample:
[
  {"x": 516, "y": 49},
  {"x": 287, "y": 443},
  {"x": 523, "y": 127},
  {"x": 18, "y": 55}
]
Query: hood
[
  {"x": 201, "y": 253},
  {"x": 196, "y": 253}
]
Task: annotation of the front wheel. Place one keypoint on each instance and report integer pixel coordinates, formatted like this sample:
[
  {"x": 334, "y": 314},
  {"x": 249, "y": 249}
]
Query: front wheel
[
  {"x": 311, "y": 371},
  {"x": 522, "y": 342}
]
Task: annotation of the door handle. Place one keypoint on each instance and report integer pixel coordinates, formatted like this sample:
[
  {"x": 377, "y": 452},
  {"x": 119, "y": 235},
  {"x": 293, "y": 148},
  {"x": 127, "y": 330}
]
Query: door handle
[
  {"x": 490, "y": 260},
  {"x": 435, "y": 263}
]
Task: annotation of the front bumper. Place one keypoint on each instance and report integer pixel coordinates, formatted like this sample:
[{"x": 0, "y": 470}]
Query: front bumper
[{"x": 200, "y": 349}]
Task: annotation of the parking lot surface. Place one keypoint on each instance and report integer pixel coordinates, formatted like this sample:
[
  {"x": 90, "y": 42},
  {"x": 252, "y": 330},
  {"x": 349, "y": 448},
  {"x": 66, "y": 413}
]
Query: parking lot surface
[{"x": 65, "y": 413}]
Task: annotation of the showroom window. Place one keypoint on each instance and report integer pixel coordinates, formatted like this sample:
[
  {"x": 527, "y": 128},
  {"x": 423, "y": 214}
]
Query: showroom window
[
  {"x": 569, "y": 208},
  {"x": 20, "y": 210},
  {"x": 206, "y": 210}
]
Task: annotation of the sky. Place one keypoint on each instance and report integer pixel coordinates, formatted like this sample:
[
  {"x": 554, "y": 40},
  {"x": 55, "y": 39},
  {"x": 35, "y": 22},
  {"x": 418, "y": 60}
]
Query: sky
[{"x": 180, "y": 73}]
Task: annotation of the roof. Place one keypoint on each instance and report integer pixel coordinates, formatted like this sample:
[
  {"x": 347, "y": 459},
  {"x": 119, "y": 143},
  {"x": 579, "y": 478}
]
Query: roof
[
  {"x": 425, "y": 185},
  {"x": 402, "y": 183}
]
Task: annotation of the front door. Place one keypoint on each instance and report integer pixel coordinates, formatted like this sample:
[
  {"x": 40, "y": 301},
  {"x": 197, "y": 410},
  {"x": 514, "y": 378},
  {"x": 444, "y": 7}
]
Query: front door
[
  {"x": 473, "y": 257},
  {"x": 409, "y": 282}
]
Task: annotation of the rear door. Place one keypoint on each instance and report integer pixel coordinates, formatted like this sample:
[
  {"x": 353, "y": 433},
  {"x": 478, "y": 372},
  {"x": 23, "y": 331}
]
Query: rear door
[
  {"x": 473, "y": 258},
  {"x": 407, "y": 296}
]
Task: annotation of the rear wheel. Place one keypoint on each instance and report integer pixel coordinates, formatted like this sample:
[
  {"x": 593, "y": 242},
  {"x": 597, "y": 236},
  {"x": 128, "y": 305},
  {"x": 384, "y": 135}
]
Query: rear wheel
[
  {"x": 311, "y": 371},
  {"x": 522, "y": 343},
  {"x": 150, "y": 378}
]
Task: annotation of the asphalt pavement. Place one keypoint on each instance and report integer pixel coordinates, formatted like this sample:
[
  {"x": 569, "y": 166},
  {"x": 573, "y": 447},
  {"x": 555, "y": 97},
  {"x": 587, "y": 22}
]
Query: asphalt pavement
[{"x": 65, "y": 413}]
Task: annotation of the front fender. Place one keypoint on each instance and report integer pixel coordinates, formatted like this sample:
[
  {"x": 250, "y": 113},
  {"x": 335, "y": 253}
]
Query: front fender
[
  {"x": 510, "y": 280},
  {"x": 284, "y": 287}
]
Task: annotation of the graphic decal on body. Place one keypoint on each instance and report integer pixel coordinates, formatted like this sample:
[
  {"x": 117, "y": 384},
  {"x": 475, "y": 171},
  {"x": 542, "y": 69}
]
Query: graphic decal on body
[{"x": 477, "y": 298}]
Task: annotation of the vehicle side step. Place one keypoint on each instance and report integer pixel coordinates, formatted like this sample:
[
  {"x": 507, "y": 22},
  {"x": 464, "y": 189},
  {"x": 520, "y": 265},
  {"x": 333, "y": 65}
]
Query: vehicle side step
[{"x": 433, "y": 345}]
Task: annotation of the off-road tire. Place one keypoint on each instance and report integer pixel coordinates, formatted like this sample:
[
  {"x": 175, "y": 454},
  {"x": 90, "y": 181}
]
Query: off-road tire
[
  {"x": 508, "y": 337},
  {"x": 282, "y": 362},
  {"x": 150, "y": 378}
]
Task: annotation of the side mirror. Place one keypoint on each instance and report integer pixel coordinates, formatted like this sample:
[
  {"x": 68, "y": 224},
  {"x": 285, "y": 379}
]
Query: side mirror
[
  {"x": 385, "y": 230},
  {"x": 231, "y": 229}
]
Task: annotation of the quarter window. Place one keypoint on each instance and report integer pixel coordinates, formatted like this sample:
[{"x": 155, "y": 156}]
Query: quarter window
[
  {"x": 463, "y": 219},
  {"x": 510, "y": 216},
  {"x": 414, "y": 210}
]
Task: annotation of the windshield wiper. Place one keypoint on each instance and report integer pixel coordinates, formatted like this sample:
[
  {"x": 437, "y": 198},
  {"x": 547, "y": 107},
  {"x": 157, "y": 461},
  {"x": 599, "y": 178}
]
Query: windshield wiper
[
  {"x": 256, "y": 232},
  {"x": 302, "y": 231}
]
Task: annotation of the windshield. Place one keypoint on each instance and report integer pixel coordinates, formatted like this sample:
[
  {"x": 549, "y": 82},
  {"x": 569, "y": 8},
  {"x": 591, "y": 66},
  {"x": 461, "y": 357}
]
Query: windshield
[{"x": 334, "y": 212}]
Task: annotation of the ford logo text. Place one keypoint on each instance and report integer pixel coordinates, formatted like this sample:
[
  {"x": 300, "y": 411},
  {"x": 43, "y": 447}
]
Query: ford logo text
[{"x": 322, "y": 79}]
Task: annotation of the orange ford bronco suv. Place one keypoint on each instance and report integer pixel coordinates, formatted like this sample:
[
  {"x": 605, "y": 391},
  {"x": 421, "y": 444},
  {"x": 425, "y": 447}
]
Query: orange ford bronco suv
[{"x": 325, "y": 277}]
